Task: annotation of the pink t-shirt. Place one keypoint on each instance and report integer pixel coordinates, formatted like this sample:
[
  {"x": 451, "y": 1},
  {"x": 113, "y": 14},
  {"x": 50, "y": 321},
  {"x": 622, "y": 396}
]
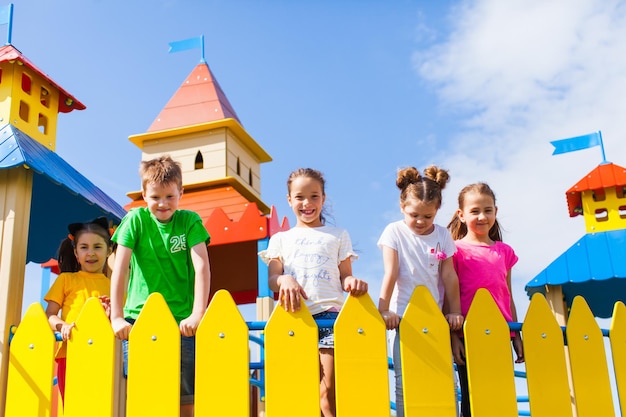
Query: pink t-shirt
[{"x": 482, "y": 266}]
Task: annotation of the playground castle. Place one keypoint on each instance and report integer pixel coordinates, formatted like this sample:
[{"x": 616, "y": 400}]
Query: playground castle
[{"x": 221, "y": 166}]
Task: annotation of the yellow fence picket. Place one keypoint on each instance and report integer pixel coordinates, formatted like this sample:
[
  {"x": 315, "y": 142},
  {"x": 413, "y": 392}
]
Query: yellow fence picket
[
  {"x": 617, "y": 337},
  {"x": 590, "y": 374},
  {"x": 90, "y": 364},
  {"x": 546, "y": 367},
  {"x": 361, "y": 366},
  {"x": 292, "y": 384},
  {"x": 31, "y": 366},
  {"x": 222, "y": 370},
  {"x": 427, "y": 369},
  {"x": 489, "y": 359},
  {"x": 154, "y": 362}
]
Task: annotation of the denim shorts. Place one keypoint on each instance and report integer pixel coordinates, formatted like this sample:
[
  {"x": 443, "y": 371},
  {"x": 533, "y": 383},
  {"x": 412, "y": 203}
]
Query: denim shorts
[
  {"x": 326, "y": 334},
  {"x": 187, "y": 366}
]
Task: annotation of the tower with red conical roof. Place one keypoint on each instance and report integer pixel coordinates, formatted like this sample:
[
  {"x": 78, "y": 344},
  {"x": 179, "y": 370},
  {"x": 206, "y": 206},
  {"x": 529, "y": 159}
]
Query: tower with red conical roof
[{"x": 221, "y": 163}]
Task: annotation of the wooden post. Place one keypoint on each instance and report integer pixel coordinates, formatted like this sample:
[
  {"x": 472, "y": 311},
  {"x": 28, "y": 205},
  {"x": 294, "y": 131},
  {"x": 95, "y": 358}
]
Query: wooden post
[{"x": 15, "y": 200}]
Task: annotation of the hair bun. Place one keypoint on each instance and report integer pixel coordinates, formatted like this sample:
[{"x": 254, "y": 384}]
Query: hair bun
[{"x": 102, "y": 221}]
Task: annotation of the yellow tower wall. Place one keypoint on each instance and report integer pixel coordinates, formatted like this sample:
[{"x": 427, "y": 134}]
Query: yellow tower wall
[
  {"x": 29, "y": 102},
  {"x": 602, "y": 210}
]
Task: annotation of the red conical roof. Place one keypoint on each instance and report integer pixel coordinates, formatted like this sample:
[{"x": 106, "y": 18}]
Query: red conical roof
[
  {"x": 603, "y": 176},
  {"x": 199, "y": 99}
]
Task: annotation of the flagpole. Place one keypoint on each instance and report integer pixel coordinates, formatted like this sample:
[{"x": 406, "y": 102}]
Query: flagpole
[
  {"x": 202, "y": 60},
  {"x": 10, "y": 25},
  {"x": 604, "y": 161}
]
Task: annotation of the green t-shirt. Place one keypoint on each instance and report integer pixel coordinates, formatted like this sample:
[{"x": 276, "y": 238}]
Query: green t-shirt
[{"x": 161, "y": 259}]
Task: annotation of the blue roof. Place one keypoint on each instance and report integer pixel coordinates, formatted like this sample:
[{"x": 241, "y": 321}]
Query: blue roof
[
  {"x": 594, "y": 267},
  {"x": 60, "y": 194}
]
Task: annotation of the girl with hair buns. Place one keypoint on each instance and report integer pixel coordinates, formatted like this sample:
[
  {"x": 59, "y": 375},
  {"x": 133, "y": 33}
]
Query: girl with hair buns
[
  {"x": 416, "y": 251},
  {"x": 82, "y": 259}
]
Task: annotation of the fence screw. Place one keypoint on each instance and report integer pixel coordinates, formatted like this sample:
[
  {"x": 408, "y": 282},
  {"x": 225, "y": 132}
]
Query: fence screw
[
  {"x": 154, "y": 338},
  {"x": 222, "y": 335},
  {"x": 31, "y": 346},
  {"x": 425, "y": 330},
  {"x": 360, "y": 331},
  {"x": 586, "y": 337},
  {"x": 487, "y": 332},
  {"x": 90, "y": 342},
  {"x": 543, "y": 335},
  {"x": 291, "y": 333}
]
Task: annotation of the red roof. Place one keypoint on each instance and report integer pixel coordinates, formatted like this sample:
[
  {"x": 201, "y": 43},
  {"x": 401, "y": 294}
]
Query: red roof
[
  {"x": 67, "y": 102},
  {"x": 603, "y": 176},
  {"x": 199, "y": 99}
]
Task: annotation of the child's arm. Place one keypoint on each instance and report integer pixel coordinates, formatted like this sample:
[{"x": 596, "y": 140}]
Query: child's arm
[
  {"x": 391, "y": 265},
  {"x": 349, "y": 283},
  {"x": 121, "y": 327},
  {"x": 458, "y": 348},
  {"x": 288, "y": 289},
  {"x": 52, "y": 311},
  {"x": 202, "y": 283},
  {"x": 451, "y": 289},
  {"x": 517, "y": 340}
]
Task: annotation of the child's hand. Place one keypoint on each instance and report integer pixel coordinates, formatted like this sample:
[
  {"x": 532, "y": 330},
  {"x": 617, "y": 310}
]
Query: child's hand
[
  {"x": 392, "y": 320},
  {"x": 66, "y": 330},
  {"x": 289, "y": 293},
  {"x": 354, "y": 286},
  {"x": 455, "y": 320},
  {"x": 518, "y": 347},
  {"x": 121, "y": 328},
  {"x": 458, "y": 349},
  {"x": 189, "y": 325}
]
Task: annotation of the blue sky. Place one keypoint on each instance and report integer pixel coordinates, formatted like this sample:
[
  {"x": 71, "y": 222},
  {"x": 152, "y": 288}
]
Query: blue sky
[{"x": 357, "y": 89}]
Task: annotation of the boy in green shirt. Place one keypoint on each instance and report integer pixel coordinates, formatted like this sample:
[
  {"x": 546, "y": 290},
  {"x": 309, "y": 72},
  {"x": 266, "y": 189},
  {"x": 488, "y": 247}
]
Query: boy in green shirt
[{"x": 166, "y": 250}]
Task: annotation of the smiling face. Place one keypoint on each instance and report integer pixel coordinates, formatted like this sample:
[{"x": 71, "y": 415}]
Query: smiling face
[
  {"x": 420, "y": 215},
  {"x": 479, "y": 214},
  {"x": 162, "y": 199},
  {"x": 91, "y": 251},
  {"x": 306, "y": 199}
]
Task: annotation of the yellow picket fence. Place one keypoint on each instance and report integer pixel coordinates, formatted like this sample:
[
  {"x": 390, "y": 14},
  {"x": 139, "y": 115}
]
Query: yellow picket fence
[{"x": 292, "y": 367}]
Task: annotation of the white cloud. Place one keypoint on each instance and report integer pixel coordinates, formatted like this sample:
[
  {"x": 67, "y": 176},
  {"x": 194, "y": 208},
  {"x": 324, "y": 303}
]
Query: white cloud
[{"x": 524, "y": 73}]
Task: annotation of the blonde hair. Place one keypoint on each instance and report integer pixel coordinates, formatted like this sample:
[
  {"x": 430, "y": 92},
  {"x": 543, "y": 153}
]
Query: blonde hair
[{"x": 161, "y": 171}]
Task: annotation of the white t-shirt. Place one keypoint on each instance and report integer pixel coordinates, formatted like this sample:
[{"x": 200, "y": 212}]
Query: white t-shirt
[
  {"x": 312, "y": 256},
  {"x": 417, "y": 261}
]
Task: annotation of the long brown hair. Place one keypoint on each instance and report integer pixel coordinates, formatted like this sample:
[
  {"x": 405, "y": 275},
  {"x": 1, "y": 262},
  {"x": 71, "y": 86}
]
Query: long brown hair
[{"x": 457, "y": 228}]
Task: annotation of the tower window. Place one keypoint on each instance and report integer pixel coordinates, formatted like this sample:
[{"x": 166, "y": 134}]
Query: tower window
[
  {"x": 199, "y": 162},
  {"x": 602, "y": 215},
  {"x": 26, "y": 83},
  {"x": 250, "y": 177},
  {"x": 24, "y": 111},
  {"x": 238, "y": 167},
  {"x": 44, "y": 97},
  {"x": 622, "y": 212},
  {"x": 43, "y": 124},
  {"x": 598, "y": 195}
]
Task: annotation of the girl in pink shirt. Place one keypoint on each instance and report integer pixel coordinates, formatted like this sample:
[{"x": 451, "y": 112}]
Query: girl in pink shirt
[{"x": 482, "y": 260}]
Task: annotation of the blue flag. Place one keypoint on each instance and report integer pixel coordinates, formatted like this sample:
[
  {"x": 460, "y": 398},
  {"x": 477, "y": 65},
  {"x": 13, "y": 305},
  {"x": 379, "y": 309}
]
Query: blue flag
[
  {"x": 187, "y": 44},
  {"x": 577, "y": 143}
]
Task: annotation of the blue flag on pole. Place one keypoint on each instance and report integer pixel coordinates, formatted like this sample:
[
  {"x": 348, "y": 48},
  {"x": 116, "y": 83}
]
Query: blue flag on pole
[
  {"x": 577, "y": 143},
  {"x": 187, "y": 44}
]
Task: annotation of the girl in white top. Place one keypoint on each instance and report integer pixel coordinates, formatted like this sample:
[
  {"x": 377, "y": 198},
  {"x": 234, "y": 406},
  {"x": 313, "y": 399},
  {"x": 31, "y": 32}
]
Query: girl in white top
[
  {"x": 313, "y": 261},
  {"x": 417, "y": 252}
]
